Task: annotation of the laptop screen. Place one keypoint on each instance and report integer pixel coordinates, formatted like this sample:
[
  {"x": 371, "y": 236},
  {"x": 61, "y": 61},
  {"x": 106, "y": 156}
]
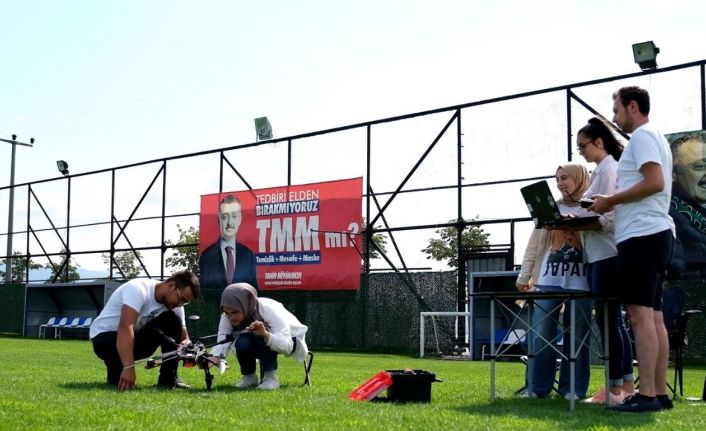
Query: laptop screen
[
  {"x": 540, "y": 203},
  {"x": 544, "y": 210}
]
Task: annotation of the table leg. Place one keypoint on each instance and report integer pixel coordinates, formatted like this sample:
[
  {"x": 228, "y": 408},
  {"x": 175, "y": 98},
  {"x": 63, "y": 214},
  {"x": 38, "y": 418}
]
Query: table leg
[{"x": 530, "y": 348}]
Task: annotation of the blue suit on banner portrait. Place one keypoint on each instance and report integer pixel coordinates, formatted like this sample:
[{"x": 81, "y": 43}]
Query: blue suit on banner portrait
[
  {"x": 227, "y": 256},
  {"x": 213, "y": 269}
]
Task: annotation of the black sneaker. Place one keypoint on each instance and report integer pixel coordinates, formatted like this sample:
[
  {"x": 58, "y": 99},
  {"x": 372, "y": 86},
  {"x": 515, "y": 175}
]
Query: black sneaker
[
  {"x": 638, "y": 403},
  {"x": 665, "y": 402}
]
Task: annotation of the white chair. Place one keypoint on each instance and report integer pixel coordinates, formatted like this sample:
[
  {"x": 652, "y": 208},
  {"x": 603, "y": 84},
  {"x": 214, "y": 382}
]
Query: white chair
[
  {"x": 57, "y": 326},
  {"x": 43, "y": 327}
]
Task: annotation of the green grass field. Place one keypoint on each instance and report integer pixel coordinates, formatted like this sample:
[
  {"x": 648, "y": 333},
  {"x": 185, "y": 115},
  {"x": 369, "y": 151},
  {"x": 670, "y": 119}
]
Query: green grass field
[{"x": 48, "y": 384}]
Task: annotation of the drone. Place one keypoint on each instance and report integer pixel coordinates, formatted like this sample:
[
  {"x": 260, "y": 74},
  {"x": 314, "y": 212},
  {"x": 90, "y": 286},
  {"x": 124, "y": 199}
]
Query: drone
[{"x": 195, "y": 355}]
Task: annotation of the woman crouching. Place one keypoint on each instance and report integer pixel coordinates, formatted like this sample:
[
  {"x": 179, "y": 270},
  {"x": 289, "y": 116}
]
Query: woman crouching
[{"x": 262, "y": 328}]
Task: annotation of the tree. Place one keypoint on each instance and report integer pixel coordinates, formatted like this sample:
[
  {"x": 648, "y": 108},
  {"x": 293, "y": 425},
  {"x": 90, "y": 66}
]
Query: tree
[
  {"x": 125, "y": 264},
  {"x": 445, "y": 247},
  {"x": 19, "y": 267},
  {"x": 68, "y": 273},
  {"x": 186, "y": 252},
  {"x": 379, "y": 239}
]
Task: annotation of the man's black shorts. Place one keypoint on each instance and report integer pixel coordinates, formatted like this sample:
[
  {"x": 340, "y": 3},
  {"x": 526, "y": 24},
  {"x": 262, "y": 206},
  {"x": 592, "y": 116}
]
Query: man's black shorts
[{"x": 642, "y": 268}]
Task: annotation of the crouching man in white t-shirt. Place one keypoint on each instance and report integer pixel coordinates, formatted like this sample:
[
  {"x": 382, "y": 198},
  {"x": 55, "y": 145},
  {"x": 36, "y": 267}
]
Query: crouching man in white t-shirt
[{"x": 140, "y": 316}]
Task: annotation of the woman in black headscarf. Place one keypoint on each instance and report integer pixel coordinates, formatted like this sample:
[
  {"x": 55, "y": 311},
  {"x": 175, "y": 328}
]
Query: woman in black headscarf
[{"x": 270, "y": 329}]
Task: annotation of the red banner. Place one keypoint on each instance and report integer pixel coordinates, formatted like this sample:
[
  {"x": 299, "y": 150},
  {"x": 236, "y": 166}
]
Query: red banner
[{"x": 300, "y": 237}]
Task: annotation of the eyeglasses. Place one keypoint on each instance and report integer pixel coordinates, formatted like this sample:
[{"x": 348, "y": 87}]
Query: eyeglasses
[
  {"x": 583, "y": 145},
  {"x": 182, "y": 301}
]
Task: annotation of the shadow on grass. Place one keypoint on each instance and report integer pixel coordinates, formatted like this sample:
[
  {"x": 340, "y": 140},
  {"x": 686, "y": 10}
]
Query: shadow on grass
[
  {"x": 93, "y": 386},
  {"x": 557, "y": 408},
  {"x": 227, "y": 388},
  {"x": 87, "y": 386}
]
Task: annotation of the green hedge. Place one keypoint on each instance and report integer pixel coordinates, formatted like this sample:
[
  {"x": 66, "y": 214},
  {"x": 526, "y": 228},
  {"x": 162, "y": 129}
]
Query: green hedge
[{"x": 11, "y": 308}]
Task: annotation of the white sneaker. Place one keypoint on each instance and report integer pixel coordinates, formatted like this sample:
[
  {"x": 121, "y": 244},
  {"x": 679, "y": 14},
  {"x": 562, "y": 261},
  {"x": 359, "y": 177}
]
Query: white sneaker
[
  {"x": 269, "y": 381},
  {"x": 248, "y": 381}
]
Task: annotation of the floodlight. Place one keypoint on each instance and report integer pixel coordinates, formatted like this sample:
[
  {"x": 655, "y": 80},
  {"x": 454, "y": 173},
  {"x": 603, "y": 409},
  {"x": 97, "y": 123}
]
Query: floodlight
[
  {"x": 645, "y": 54},
  {"x": 63, "y": 167},
  {"x": 263, "y": 129}
]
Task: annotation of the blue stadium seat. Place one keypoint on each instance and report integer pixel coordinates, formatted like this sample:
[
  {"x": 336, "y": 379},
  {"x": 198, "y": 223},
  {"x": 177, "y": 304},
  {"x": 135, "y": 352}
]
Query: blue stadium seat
[{"x": 66, "y": 324}]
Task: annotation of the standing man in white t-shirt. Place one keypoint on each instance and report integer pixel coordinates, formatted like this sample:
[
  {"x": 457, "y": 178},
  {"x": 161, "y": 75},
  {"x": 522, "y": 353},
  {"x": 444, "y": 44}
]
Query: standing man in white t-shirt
[
  {"x": 644, "y": 233},
  {"x": 140, "y": 316}
]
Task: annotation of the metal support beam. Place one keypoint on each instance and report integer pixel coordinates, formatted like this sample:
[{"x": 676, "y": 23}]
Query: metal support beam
[{"x": 416, "y": 166}]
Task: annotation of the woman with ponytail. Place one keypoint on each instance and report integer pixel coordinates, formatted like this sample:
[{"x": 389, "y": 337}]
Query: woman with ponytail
[{"x": 597, "y": 144}]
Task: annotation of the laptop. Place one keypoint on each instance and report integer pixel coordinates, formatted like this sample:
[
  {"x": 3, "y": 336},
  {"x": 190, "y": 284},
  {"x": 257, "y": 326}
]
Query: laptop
[{"x": 544, "y": 210}]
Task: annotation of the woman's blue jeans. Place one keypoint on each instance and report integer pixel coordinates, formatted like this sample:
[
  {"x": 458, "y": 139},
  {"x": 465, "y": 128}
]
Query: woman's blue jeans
[
  {"x": 603, "y": 279},
  {"x": 545, "y": 316},
  {"x": 248, "y": 348}
]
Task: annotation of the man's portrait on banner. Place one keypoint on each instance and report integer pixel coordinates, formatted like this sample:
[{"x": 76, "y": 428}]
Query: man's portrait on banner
[
  {"x": 227, "y": 261},
  {"x": 688, "y": 203}
]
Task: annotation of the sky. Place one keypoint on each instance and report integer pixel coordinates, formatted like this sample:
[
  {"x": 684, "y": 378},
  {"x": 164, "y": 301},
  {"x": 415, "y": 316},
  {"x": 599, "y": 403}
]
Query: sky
[{"x": 103, "y": 83}]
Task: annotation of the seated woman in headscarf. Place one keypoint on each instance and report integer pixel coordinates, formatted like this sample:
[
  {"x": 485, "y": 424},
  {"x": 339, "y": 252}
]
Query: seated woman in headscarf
[{"x": 263, "y": 328}]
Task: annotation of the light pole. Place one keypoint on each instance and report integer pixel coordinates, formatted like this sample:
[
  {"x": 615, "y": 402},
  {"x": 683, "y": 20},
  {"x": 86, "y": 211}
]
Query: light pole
[{"x": 8, "y": 259}]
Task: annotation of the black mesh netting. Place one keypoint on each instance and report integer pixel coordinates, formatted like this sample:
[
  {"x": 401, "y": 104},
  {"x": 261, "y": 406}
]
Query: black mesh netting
[
  {"x": 382, "y": 316},
  {"x": 694, "y": 299}
]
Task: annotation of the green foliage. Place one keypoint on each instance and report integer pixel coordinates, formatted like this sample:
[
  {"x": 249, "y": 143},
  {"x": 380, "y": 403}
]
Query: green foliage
[
  {"x": 58, "y": 384},
  {"x": 12, "y": 309},
  {"x": 445, "y": 248},
  {"x": 379, "y": 239},
  {"x": 125, "y": 264},
  {"x": 67, "y": 273},
  {"x": 186, "y": 253},
  {"x": 19, "y": 267}
]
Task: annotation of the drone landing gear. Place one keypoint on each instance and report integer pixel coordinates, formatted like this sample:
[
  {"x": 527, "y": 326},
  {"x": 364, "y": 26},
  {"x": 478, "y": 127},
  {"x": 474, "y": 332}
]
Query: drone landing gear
[{"x": 209, "y": 378}]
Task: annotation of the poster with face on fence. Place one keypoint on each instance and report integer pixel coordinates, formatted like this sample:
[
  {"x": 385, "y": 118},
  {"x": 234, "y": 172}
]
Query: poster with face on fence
[
  {"x": 298, "y": 237},
  {"x": 688, "y": 202}
]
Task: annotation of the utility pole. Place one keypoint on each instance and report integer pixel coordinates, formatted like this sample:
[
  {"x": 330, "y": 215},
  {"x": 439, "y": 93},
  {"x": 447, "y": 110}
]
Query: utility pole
[{"x": 8, "y": 259}]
